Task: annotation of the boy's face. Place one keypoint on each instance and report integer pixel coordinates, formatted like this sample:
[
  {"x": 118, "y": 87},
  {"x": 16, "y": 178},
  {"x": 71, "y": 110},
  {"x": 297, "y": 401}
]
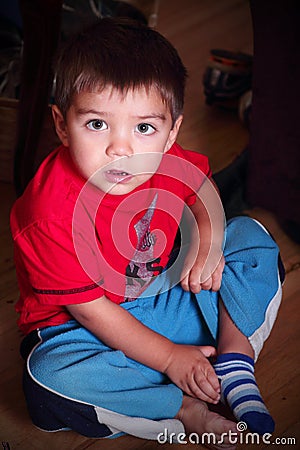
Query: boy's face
[{"x": 105, "y": 130}]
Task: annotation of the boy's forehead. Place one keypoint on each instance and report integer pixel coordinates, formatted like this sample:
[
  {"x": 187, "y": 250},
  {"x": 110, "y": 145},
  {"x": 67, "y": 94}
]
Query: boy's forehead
[
  {"x": 146, "y": 94},
  {"x": 109, "y": 90}
]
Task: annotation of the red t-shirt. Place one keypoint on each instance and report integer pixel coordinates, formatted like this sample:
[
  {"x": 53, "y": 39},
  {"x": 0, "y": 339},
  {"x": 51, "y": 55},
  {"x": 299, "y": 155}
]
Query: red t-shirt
[{"x": 74, "y": 244}]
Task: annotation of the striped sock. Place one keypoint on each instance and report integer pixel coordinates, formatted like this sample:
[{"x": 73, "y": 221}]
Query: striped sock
[{"x": 239, "y": 389}]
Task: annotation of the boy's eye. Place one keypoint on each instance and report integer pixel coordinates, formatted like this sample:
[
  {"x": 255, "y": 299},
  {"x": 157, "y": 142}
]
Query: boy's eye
[
  {"x": 96, "y": 125},
  {"x": 145, "y": 128}
]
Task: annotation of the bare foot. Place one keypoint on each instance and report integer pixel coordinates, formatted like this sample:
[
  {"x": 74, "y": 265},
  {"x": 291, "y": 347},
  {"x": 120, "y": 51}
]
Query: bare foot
[{"x": 197, "y": 418}]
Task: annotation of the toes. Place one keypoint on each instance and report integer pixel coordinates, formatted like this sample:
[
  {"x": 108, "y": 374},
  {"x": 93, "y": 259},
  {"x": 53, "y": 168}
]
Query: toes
[
  {"x": 197, "y": 418},
  {"x": 218, "y": 424}
]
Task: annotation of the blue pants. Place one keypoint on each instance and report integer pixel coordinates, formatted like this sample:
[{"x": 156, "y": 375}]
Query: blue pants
[{"x": 79, "y": 383}]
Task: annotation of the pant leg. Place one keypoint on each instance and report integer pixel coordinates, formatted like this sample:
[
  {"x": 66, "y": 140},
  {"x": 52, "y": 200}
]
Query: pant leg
[
  {"x": 251, "y": 284},
  {"x": 250, "y": 290},
  {"x": 71, "y": 363},
  {"x": 82, "y": 384}
]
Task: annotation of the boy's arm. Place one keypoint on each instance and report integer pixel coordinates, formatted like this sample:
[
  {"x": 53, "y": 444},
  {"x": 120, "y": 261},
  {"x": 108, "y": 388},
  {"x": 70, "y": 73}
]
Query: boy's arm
[
  {"x": 187, "y": 366},
  {"x": 204, "y": 269}
]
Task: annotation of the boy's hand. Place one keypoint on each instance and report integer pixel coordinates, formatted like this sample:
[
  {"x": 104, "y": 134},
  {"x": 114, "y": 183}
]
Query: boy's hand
[
  {"x": 192, "y": 280},
  {"x": 189, "y": 368}
]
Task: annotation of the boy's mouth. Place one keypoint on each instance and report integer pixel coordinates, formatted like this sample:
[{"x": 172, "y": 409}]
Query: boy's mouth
[{"x": 117, "y": 176}]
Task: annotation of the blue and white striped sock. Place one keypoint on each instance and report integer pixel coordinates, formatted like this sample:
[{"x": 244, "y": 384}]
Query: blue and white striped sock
[{"x": 239, "y": 389}]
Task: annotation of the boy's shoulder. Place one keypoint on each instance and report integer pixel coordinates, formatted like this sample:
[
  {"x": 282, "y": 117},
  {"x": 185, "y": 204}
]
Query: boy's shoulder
[
  {"x": 194, "y": 157},
  {"x": 50, "y": 195}
]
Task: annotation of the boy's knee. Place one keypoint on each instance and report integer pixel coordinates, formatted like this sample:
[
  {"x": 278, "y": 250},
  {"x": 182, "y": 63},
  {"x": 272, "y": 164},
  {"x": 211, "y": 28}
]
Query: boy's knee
[
  {"x": 52, "y": 412},
  {"x": 247, "y": 232}
]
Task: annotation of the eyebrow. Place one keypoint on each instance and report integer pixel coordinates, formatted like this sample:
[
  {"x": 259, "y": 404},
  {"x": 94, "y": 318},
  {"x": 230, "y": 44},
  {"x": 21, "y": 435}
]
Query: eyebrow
[
  {"x": 152, "y": 116},
  {"x": 83, "y": 111}
]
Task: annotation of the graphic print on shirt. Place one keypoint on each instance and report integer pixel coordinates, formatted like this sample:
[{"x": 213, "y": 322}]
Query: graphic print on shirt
[{"x": 143, "y": 266}]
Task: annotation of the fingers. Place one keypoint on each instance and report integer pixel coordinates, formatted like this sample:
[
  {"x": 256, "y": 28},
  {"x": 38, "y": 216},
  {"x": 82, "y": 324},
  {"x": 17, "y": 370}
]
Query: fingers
[
  {"x": 193, "y": 284},
  {"x": 213, "y": 379},
  {"x": 204, "y": 383},
  {"x": 204, "y": 387},
  {"x": 214, "y": 281},
  {"x": 192, "y": 281},
  {"x": 208, "y": 351},
  {"x": 191, "y": 371},
  {"x": 210, "y": 372},
  {"x": 207, "y": 284},
  {"x": 185, "y": 283}
]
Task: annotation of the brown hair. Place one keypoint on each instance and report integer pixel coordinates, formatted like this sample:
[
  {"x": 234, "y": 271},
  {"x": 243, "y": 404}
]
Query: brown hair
[{"x": 124, "y": 54}]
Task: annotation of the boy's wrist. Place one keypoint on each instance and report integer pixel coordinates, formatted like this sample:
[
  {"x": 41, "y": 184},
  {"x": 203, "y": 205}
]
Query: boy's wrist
[{"x": 168, "y": 358}]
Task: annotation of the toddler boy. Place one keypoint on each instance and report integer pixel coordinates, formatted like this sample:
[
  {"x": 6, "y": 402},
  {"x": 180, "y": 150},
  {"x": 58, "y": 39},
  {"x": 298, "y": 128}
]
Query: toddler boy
[{"x": 121, "y": 324}]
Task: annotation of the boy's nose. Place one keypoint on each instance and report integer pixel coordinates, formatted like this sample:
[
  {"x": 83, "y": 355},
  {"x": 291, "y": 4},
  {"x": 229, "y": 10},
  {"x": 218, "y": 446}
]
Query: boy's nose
[{"x": 119, "y": 148}]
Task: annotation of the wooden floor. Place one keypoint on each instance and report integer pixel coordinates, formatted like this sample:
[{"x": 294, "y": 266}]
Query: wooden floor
[{"x": 194, "y": 27}]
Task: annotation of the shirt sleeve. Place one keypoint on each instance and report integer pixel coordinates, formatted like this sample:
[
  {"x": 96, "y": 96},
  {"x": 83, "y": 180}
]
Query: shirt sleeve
[
  {"x": 195, "y": 170},
  {"x": 47, "y": 253}
]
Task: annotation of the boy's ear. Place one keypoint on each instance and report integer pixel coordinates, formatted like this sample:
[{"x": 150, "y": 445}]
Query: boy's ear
[
  {"x": 60, "y": 125},
  {"x": 173, "y": 133}
]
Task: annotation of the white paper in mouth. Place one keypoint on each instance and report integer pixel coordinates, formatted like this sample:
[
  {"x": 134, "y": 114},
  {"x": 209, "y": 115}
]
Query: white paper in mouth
[
  {"x": 118, "y": 173},
  {"x": 116, "y": 177}
]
